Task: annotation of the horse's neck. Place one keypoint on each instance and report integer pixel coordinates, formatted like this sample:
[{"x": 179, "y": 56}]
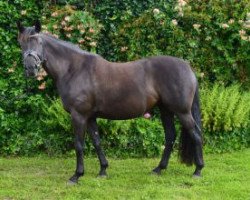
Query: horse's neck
[{"x": 57, "y": 63}]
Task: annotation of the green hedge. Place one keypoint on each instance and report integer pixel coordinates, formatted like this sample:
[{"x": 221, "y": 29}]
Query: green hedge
[{"x": 213, "y": 36}]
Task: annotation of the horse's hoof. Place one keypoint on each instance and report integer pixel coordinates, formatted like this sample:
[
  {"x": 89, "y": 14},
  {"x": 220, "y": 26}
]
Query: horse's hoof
[
  {"x": 196, "y": 176},
  {"x": 102, "y": 176},
  {"x": 71, "y": 183},
  {"x": 156, "y": 171}
]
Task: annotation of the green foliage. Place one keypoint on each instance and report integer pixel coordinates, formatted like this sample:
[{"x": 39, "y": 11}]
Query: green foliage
[
  {"x": 226, "y": 118},
  {"x": 137, "y": 137},
  {"x": 225, "y": 109}
]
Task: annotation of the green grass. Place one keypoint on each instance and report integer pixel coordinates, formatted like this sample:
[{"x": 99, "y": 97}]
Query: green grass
[{"x": 226, "y": 176}]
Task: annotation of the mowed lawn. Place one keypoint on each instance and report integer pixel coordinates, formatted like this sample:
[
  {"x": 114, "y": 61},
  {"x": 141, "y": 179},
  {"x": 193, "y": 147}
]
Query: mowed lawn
[{"x": 226, "y": 176}]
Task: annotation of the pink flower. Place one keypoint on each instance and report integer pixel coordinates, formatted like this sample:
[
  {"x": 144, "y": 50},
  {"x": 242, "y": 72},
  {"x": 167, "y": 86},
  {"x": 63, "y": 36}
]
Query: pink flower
[
  {"x": 81, "y": 41},
  {"x": 147, "y": 115},
  {"x": 91, "y": 30},
  {"x": 42, "y": 86}
]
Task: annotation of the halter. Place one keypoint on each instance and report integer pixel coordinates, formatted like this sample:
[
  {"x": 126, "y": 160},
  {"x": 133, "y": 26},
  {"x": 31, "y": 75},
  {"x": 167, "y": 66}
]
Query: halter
[{"x": 34, "y": 55}]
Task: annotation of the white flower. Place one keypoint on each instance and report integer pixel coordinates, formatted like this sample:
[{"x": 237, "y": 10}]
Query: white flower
[
  {"x": 182, "y": 3},
  {"x": 123, "y": 49},
  {"x": 244, "y": 38},
  {"x": 39, "y": 78},
  {"x": 63, "y": 23},
  {"x": 196, "y": 26},
  {"x": 156, "y": 11},
  {"x": 224, "y": 26},
  {"x": 231, "y": 21},
  {"x": 44, "y": 27},
  {"x": 242, "y": 32},
  {"x": 67, "y": 18},
  {"x": 11, "y": 70},
  {"x": 55, "y": 26},
  {"x": 247, "y": 25},
  {"x": 93, "y": 44},
  {"x": 23, "y": 12},
  {"x": 54, "y": 14},
  {"x": 208, "y": 38},
  {"x": 174, "y": 22}
]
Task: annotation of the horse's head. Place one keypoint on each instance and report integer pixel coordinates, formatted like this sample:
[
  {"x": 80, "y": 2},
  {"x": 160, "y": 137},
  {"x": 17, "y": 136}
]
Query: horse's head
[{"x": 32, "y": 48}]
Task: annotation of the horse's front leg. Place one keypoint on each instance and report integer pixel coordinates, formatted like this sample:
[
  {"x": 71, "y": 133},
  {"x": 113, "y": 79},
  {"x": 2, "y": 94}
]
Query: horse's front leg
[
  {"x": 79, "y": 125},
  {"x": 93, "y": 131}
]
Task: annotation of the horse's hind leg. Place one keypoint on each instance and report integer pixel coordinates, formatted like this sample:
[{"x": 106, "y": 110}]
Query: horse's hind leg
[
  {"x": 193, "y": 147},
  {"x": 169, "y": 129},
  {"x": 93, "y": 131}
]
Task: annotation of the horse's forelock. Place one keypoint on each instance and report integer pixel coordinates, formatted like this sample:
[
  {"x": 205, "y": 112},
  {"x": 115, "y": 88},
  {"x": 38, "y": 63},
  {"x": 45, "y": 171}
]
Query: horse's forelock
[{"x": 28, "y": 32}]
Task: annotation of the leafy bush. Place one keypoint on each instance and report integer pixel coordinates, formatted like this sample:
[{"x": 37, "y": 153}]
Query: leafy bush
[
  {"x": 137, "y": 137},
  {"x": 225, "y": 108},
  {"x": 226, "y": 118}
]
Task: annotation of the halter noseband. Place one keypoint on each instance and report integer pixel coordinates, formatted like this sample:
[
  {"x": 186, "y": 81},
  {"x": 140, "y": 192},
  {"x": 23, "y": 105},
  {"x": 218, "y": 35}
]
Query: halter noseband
[{"x": 34, "y": 55}]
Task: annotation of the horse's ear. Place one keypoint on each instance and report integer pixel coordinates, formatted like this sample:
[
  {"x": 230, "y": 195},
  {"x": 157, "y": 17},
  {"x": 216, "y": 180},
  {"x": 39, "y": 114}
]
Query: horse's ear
[
  {"x": 37, "y": 26},
  {"x": 20, "y": 26}
]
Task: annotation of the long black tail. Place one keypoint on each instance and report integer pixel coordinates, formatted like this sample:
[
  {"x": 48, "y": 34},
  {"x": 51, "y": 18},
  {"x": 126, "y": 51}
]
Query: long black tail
[{"x": 186, "y": 150}]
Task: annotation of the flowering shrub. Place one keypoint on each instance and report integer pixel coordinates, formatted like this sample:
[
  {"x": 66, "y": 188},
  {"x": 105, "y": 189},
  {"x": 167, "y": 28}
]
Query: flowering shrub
[
  {"x": 78, "y": 27},
  {"x": 211, "y": 37}
]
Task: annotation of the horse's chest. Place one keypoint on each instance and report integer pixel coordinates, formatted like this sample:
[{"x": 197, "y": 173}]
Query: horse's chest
[{"x": 76, "y": 98}]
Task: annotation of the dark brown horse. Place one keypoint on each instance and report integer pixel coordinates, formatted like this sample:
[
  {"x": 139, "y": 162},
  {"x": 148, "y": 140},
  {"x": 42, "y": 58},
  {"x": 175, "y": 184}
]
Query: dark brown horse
[{"x": 92, "y": 87}]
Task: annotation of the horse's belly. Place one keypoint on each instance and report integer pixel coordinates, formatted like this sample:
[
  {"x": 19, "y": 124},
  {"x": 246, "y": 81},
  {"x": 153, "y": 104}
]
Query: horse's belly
[
  {"x": 118, "y": 117},
  {"x": 121, "y": 111}
]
